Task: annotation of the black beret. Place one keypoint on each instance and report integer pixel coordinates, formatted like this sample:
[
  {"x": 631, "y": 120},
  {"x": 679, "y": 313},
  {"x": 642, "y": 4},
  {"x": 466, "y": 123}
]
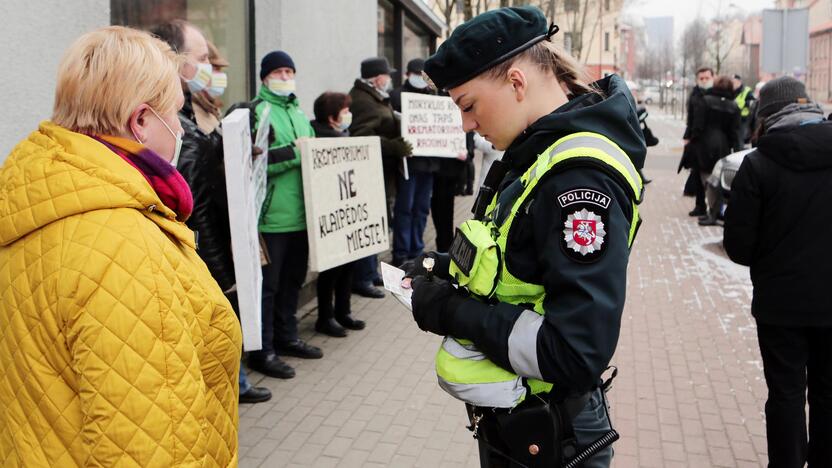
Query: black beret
[{"x": 485, "y": 41}]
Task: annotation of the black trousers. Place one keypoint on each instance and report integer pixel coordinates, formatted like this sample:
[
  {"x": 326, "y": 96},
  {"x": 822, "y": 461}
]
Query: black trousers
[
  {"x": 337, "y": 281},
  {"x": 794, "y": 359},
  {"x": 442, "y": 210},
  {"x": 698, "y": 187},
  {"x": 282, "y": 280}
]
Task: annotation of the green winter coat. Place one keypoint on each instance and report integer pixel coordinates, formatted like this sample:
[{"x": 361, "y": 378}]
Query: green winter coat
[{"x": 283, "y": 210}]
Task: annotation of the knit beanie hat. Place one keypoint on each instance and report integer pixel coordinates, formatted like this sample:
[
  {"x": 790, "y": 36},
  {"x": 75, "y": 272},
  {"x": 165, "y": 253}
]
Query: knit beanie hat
[
  {"x": 274, "y": 60},
  {"x": 779, "y": 93}
]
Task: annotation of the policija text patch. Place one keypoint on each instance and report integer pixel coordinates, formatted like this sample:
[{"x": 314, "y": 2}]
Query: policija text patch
[{"x": 584, "y": 212}]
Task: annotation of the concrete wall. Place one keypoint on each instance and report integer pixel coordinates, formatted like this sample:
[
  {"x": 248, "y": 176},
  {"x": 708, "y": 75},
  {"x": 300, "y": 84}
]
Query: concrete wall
[
  {"x": 34, "y": 35},
  {"x": 326, "y": 39}
]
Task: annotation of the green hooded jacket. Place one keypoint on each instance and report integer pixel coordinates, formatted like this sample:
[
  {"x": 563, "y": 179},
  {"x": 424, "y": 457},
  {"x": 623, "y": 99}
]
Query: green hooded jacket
[{"x": 283, "y": 210}]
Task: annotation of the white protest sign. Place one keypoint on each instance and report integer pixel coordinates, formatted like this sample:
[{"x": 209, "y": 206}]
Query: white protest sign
[
  {"x": 260, "y": 167},
  {"x": 346, "y": 208},
  {"x": 432, "y": 125},
  {"x": 242, "y": 183}
]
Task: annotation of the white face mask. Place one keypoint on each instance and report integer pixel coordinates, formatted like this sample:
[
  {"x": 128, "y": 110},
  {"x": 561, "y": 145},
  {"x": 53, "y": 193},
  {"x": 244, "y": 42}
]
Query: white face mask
[
  {"x": 219, "y": 81},
  {"x": 281, "y": 87},
  {"x": 388, "y": 86},
  {"x": 417, "y": 81},
  {"x": 201, "y": 78},
  {"x": 346, "y": 121},
  {"x": 706, "y": 84},
  {"x": 176, "y": 137}
]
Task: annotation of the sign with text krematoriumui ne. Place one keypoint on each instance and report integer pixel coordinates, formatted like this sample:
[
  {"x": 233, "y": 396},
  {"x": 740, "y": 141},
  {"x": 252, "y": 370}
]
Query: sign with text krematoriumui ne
[
  {"x": 432, "y": 125},
  {"x": 243, "y": 175},
  {"x": 346, "y": 209}
]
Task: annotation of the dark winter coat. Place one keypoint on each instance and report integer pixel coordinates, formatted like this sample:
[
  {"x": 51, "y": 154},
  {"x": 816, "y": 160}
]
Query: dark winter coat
[
  {"x": 779, "y": 223},
  {"x": 715, "y": 129},
  {"x": 695, "y": 104},
  {"x": 372, "y": 115},
  {"x": 201, "y": 164}
]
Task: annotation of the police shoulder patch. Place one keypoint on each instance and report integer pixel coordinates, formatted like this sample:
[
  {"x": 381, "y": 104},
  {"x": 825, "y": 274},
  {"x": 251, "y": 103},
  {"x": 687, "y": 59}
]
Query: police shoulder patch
[{"x": 584, "y": 214}]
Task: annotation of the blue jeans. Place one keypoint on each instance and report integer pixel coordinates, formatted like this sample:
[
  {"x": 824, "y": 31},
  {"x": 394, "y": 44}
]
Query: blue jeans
[
  {"x": 365, "y": 270},
  {"x": 244, "y": 385},
  {"x": 589, "y": 425},
  {"x": 410, "y": 214}
]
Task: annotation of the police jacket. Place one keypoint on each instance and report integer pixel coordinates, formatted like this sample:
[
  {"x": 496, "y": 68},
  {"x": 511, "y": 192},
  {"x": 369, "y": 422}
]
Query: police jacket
[
  {"x": 201, "y": 164},
  {"x": 779, "y": 222},
  {"x": 585, "y": 293}
]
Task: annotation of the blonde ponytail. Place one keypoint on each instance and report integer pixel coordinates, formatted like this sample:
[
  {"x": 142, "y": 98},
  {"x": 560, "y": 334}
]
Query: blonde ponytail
[{"x": 549, "y": 57}]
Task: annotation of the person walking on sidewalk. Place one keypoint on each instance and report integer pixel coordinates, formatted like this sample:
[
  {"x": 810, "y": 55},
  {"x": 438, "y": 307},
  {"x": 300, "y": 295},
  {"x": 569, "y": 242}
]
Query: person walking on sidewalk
[
  {"x": 201, "y": 164},
  {"x": 777, "y": 223},
  {"x": 542, "y": 267},
  {"x": 374, "y": 116},
  {"x": 410, "y": 212},
  {"x": 690, "y": 157},
  {"x": 283, "y": 219},
  {"x": 332, "y": 120}
]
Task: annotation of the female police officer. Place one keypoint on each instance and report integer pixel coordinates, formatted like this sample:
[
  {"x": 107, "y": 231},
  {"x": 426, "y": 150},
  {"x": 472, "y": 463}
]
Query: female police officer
[{"x": 531, "y": 294}]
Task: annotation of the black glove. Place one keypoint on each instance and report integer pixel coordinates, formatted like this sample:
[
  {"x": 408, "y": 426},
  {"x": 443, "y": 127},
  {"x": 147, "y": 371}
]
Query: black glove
[
  {"x": 414, "y": 268},
  {"x": 434, "y": 304},
  {"x": 403, "y": 148}
]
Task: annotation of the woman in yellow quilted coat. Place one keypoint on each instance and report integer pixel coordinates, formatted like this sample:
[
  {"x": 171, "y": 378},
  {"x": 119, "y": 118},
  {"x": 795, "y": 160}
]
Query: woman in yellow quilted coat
[{"x": 117, "y": 348}]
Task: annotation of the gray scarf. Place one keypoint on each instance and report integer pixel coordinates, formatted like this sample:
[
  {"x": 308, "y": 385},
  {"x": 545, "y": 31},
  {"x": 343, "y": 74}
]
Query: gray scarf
[{"x": 794, "y": 115}]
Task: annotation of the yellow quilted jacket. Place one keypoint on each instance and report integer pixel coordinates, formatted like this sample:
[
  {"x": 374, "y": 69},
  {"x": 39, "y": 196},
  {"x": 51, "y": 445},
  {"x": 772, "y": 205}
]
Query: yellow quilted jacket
[{"x": 117, "y": 348}]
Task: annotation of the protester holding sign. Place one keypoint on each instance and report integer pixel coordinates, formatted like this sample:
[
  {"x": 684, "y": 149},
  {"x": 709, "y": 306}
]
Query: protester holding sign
[
  {"x": 283, "y": 220},
  {"x": 332, "y": 120},
  {"x": 373, "y": 116},
  {"x": 201, "y": 164},
  {"x": 410, "y": 213}
]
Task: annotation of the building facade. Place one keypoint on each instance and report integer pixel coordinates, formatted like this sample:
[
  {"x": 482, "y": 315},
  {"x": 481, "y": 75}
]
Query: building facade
[
  {"x": 819, "y": 67},
  {"x": 327, "y": 40}
]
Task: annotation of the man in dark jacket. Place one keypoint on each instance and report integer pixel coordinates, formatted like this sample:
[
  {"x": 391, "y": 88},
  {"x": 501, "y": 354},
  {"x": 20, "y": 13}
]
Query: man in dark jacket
[
  {"x": 704, "y": 82},
  {"x": 374, "y": 116},
  {"x": 413, "y": 195},
  {"x": 201, "y": 164},
  {"x": 777, "y": 222}
]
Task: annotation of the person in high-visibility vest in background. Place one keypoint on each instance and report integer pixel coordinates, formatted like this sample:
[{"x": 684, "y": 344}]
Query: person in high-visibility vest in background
[
  {"x": 744, "y": 97},
  {"x": 530, "y": 296}
]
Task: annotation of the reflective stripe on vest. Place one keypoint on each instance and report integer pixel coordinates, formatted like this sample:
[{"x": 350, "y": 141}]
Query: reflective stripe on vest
[
  {"x": 462, "y": 370},
  {"x": 740, "y": 100}
]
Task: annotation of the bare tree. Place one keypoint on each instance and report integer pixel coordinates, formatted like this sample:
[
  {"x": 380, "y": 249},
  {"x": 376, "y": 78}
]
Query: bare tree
[
  {"x": 467, "y": 10},
  {"x": 694, "y": 43},
  {"x": 721, "y": 42},
  {"x": 447, "y": 8}
]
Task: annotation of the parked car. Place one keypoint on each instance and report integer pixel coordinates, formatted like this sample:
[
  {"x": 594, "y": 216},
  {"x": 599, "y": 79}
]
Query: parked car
[
  {"x": 723, "y": 175},
  {"x": 650, "y": 95}
]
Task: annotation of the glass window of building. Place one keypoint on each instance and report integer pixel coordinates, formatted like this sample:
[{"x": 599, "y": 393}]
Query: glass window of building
[
  {"x": 386, "y": 31},
  {"x": 224, "y": 22},
  {"x": 416, "y": 42}
]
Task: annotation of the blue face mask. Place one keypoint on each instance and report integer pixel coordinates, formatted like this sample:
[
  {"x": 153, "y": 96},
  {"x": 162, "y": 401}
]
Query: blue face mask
[
  {"x": 346, "y": 121},
  {"x": 201, "y": 79},
  {"x": 219, "y": 81}
]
